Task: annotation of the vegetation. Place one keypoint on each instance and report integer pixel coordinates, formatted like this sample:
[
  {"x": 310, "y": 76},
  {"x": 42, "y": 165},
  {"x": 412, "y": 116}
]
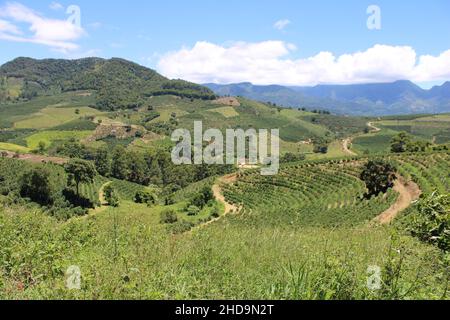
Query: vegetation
[
  {"x": 378, "y": 176},
  {"x": 111, "y": 196},
  {"x": 432, "y": 223},
  {"x": 159, "y": 231}
]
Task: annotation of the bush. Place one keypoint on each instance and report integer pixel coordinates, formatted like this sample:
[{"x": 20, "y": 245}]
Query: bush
[
  {"x": 111, "y": 196},
  {"x": 193, "y": 210},
  {"x": 432, "y": 223},
  {"x": 145, "y": 197},
  {"x": 203, "y": 198},
  {"x": 169, "y": 217}
]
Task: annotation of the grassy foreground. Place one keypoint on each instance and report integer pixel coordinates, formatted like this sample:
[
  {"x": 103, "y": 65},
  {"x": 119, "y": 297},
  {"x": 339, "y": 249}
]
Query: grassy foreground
[{"x": 125, "y": 253}]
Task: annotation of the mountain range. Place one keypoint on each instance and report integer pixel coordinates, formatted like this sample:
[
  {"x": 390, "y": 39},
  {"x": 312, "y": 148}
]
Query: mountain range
[
  {"x": 119, "y": 83},
  {"x": 400, "y": 97}
]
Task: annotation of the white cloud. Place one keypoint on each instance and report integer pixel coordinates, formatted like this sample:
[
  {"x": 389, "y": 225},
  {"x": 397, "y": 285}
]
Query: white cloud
[
  {"x": 8, "y": 27},
  {"x": 268, "y": 62},
  {"x": 58, "y": 34},
  {"x": 56, "y": 6},
  {"x": 281, "y": 24}
]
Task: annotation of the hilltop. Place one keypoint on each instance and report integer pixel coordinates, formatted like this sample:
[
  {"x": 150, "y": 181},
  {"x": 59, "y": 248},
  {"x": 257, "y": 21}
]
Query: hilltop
[{"x": 118, "y": 83}]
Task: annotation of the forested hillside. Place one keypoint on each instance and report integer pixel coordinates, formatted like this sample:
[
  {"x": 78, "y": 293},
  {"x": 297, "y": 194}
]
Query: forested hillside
[{"x": 117, "y": 83}]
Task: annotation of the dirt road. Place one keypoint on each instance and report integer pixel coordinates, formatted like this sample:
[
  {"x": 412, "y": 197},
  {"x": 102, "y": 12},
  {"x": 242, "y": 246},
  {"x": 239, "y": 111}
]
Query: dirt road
[
  {"x": 35, "y": 158},
  {"x": 408, "y": 192}
]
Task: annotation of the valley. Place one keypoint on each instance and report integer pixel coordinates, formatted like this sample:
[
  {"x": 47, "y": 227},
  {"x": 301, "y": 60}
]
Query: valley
[{"x": 87, "y": 180}]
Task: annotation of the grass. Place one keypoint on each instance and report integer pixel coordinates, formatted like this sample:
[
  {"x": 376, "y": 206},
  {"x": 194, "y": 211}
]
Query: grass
[
  {"x": 55, "y": 116},
  {"x": 16, "y": 112},
  {"x": 50, "y": 137},
  {"x": 13, "y": 147},
  {"x": 373, "y": 143},
  {"x": 227, "y": 112},
  {"x": 125, "y": 253}
]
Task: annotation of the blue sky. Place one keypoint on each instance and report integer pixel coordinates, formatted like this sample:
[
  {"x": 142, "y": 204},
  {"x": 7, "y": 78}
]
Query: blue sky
[{"x": 231, "y": 41}]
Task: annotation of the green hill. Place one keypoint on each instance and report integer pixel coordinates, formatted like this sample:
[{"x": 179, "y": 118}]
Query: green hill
[{"x": 118, "y": 83}]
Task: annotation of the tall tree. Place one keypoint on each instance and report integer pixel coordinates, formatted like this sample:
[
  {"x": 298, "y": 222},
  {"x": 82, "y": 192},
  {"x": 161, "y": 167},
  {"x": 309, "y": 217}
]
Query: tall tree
[
  {"x": 102, "y": 161},
  {"x": 80, "y": 171},
  {"x": 119, "y": 163},
  {"x": 40, "y": 186}
]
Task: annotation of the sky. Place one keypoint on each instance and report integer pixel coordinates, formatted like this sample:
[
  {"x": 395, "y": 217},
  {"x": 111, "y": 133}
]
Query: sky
[{"x": 264, "y": 42}]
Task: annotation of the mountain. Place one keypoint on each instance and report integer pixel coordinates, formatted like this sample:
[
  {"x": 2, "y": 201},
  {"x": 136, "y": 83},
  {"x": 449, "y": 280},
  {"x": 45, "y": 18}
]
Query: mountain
[
  {"x": 400, "y": 97},
  {"x": 118, "y": 83}
]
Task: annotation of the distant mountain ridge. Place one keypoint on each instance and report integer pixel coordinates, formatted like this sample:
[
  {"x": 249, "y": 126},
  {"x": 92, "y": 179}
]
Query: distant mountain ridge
[
  {"x": 118, "y": 83},
  {"x": 400, "y": 97}
]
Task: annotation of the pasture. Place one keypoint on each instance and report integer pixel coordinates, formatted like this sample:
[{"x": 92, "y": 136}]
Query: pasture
[
  {"x": 51, "y": 137},
  {"x": 55, "y": 116}
]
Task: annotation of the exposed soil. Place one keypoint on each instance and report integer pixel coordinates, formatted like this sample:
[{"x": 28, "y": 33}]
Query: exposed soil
[
  {"x": 228, "y": 101},
  {"x": 408, "y": 192},
  {"x": 35, "y": 158}
]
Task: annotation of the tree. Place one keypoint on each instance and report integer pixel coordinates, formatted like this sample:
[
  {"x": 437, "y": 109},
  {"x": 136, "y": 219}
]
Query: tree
[
  {"x": 119, "y": 164},
  {"x": 40, "y": 186},
  {"x": 378, "y": 176},
  {"x": 80, "y": 171},
  {"x": 203, "y": 198},
  {"x": 111, "y": 196},
  {"x": 137, "y": 169},
  {"x": 102, "y": 162},
  {"x": 400, "y": 142}
]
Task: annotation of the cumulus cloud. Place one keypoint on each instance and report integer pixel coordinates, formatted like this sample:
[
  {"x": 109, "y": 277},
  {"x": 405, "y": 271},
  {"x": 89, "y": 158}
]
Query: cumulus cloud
[
  {"x": 281, "y": 24},
  {"x": 58, "y": 34},
  {"x": 269, "y": 62}
]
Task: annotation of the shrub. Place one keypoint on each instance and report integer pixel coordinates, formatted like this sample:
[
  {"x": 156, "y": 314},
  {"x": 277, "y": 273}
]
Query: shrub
[
  {"x": 432, "y": 223},
  {"x": 145, "y": 197},
  {"x": 193, "y": 210},
  {"x": 203, "y": 197},
  {"x": 169, "y": 217},
  {"x": 111, "y": 196}
]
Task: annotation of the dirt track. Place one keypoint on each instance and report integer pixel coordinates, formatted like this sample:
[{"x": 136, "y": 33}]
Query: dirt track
[
  {"x": 408, "y": 192},
  {"x": 35, "y": 158},
  {"x": 345, "y": 147},
  {"x": 217, "y": 191}
]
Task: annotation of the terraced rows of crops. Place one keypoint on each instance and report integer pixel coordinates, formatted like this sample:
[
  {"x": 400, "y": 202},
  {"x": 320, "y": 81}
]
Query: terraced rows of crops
[
  {"x": 126, "y": 190},
  {"x": 330, "y": 194},
  {"x": 430, "y": 171},
  {"x": 308, "y": 194},
  {"x": 90, "y": 191}
]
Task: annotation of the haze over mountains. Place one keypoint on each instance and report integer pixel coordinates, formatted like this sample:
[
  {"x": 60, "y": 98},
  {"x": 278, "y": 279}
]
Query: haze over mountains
[{"x": 400, "y": 97}]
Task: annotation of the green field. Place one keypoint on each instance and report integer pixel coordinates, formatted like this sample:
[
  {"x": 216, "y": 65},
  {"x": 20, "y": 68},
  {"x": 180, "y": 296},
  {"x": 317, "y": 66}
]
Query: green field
[
  {"x": 55, "y": 116},
  {"x": 50, "y": 137},
  {"x": 13, "y": 147},
  {"x": 227, "y": 112},
  {"x": 16, "y": 112}
]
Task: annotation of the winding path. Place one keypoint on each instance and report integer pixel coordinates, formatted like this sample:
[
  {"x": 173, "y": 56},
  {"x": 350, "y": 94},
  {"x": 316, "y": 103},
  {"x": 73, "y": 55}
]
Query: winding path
[
  {"x": 408, "y": 192},
  {"x": 345, "y": 146},
  {"x": 348, "y": 141}
]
